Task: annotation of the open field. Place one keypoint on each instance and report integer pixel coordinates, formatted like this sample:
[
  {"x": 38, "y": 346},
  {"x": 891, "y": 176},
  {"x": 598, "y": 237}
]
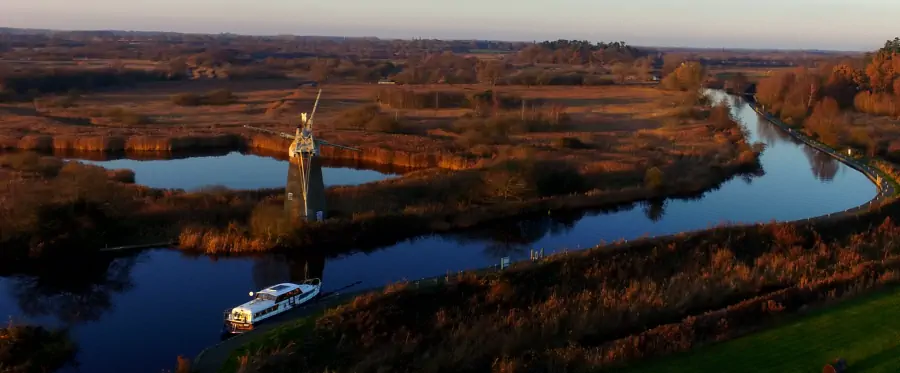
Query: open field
[
  {"x": 627, "y": 124},
  {"x": 862, "y": 331}
]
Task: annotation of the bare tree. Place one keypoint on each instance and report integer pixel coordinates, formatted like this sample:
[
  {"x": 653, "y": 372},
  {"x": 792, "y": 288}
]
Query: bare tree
[{"x": 621, "y": 71}]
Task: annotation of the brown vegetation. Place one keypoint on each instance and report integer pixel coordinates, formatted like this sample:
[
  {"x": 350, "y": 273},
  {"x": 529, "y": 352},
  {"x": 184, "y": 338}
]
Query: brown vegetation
[
  {"x": 51, "y": 208},
  {"x": 610, "y": 145},
  {"x": 31, "y": 349},
  {"x": 562, "y": 169},
  {"x": 596, "y": 310},
  {"x": 602, "y": 141},
  {"x": 853, "y": 103},
  {"x": 217, "y": 97}
]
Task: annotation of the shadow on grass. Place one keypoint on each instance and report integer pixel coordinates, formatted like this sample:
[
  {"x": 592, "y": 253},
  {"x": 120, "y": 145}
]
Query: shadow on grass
[{"x": 881, "y": 360}]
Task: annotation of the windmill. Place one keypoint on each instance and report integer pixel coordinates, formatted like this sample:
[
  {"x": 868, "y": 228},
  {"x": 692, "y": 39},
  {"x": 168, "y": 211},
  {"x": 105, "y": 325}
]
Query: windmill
[{"x": 306, "y": 180}]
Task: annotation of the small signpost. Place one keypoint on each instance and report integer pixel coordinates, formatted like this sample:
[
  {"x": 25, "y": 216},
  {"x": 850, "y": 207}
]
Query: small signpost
[{"x": 504, "y": 262}]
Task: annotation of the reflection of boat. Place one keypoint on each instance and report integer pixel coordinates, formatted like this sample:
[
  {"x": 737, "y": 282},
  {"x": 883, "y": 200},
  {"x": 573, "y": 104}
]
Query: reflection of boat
[
  {"x": 268, "y": 303},
  {"x": 294, "y": 267}
]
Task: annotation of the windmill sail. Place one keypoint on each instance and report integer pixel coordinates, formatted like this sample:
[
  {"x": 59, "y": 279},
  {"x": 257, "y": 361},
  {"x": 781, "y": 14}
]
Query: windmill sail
[{"x": 305, "y": 189}]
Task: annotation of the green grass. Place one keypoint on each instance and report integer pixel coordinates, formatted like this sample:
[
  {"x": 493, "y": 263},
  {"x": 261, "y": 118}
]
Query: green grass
[
  {"x": 275, "y": 338},
  {"x": 865, "y": 332}
]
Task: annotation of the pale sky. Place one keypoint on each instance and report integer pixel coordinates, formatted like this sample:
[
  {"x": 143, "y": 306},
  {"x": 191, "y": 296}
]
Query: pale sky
[{"x": 806, "y": 24}]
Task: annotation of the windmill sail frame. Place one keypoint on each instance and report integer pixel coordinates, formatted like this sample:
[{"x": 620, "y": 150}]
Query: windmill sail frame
[{"x": 304, "y": 149}]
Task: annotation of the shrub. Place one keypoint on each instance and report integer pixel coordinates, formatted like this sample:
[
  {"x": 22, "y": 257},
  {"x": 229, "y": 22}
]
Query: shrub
[
  {"x": 653, "y": 178},
  {"x": 32, "y": 162},
  {"x": 27, "y": 349},
  {"x": 269, "y": 222},
  {"x": 121, "y": 175},
  {"x": 522, "y": 179}
]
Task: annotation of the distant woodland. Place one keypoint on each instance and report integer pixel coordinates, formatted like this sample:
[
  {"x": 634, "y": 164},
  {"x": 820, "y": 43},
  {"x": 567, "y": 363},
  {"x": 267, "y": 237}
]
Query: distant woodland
[{"x": 82, "y": 61}]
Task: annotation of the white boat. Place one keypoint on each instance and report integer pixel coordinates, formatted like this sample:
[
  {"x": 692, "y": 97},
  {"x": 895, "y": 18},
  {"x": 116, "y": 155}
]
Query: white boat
[{"x": 269, "y": 302}]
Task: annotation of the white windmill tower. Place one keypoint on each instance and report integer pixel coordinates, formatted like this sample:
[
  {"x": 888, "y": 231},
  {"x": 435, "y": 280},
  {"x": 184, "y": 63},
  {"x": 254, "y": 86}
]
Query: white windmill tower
[{"x": 304, "y": 150}]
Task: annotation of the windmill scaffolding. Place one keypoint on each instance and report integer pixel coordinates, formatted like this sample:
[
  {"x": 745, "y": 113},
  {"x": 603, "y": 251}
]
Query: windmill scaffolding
[{"x": 304, "y": 155}]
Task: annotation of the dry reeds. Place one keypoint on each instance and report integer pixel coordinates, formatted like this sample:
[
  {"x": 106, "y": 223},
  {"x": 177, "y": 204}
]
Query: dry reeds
[
  {"x": 595, "y": 309},
  {"x": 214, "y": 241}
]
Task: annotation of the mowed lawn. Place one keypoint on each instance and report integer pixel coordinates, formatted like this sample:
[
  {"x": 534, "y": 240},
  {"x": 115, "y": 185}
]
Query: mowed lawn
[{"x": 864, "y": 331}]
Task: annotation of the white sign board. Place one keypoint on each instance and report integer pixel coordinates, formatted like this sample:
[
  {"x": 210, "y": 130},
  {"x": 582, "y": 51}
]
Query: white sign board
[{"x": 504, "y": 262}]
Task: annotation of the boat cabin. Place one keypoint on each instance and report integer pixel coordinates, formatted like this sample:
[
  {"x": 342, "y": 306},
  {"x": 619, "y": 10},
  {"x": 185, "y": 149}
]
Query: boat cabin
[{"x": 270, "y": 301}]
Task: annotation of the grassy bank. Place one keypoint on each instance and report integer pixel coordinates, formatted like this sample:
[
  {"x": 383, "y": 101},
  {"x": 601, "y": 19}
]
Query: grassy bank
[
  {"x": 863, "y": 331},
  {"x": 608, "y": 306}
]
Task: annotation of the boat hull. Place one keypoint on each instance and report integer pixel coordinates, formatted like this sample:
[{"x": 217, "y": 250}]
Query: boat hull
[{"x": 235, "y": 327}]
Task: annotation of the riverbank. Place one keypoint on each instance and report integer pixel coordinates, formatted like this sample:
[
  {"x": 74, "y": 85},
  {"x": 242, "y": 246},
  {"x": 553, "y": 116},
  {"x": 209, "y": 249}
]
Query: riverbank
[
  {"x": 767, "y": 242},
  {"x": 828, "y": 227},
  {"x": 877, "y": 171},
  {"x": 365, "y": 229},
  {"x": 814, "y": 339}
]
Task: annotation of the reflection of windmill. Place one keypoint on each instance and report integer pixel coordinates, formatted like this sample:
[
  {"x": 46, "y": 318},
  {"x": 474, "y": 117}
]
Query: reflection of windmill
[
  {"x": 304, "y": 149},
  {"x": 275, "y": 269}
]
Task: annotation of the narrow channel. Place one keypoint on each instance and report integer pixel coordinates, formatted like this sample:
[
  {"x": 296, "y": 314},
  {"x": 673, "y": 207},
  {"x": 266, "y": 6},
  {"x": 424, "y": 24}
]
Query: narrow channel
[{"x": 137, "y": 313}]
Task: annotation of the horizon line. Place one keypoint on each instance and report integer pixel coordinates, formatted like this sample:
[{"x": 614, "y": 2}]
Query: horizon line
[{"x": 767, "y": 49}]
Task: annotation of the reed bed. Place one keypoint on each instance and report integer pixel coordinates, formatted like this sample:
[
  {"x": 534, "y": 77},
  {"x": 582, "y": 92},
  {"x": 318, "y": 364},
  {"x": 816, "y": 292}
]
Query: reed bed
[{"x": 596, "y": 310}]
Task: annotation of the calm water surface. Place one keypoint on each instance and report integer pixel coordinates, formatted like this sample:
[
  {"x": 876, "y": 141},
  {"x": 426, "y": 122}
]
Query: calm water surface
[
  {"x": 137, "y": 313},
  {"x": 234, "y": 170}
]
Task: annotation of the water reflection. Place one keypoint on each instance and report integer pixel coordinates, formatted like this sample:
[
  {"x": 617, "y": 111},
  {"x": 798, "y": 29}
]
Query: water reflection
[
  {"x": 72, "y": 294},
  {"x": 241, "y": 171},
  {"x": 823, "y": 166},
  {"x": 275, "y": 269},
  {"x": 655, "y": 209},
  {"x": 176, "y": 301},
  {"x": 772, "y": 135},
  {"x": 515, "y": 237}
]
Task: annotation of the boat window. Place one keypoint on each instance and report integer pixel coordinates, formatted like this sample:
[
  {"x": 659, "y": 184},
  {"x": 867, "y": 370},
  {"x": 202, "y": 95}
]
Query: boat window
[{"x": 264, "y": 296}]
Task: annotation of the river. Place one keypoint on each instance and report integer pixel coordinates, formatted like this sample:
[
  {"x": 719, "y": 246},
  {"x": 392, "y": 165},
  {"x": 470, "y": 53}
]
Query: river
[{"x": 137, "y": 313}]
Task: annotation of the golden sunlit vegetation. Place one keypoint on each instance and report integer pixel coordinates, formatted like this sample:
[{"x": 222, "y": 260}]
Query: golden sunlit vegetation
[
  {"x": 489, "y": 150},
  {"x": 595, "y": 310},
  {"x": 491, "y": 135},
  {"x": 523, "y": 161},
  {"x": 853, "y": 103},
  {"x": 53, "y": 208}
]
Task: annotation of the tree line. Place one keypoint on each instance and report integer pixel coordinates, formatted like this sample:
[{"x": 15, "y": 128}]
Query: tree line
[
  {"x": 37, "y": 81},
  {"x": 822, "y": 99}
]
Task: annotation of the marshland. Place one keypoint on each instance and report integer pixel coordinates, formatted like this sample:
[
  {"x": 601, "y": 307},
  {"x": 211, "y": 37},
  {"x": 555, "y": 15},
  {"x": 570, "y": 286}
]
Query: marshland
[{"x": 472, "y": 158}]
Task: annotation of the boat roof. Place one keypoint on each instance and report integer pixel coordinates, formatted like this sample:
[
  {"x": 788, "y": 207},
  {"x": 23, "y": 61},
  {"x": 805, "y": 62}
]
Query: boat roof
[{"x": 279, "y": 289}]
